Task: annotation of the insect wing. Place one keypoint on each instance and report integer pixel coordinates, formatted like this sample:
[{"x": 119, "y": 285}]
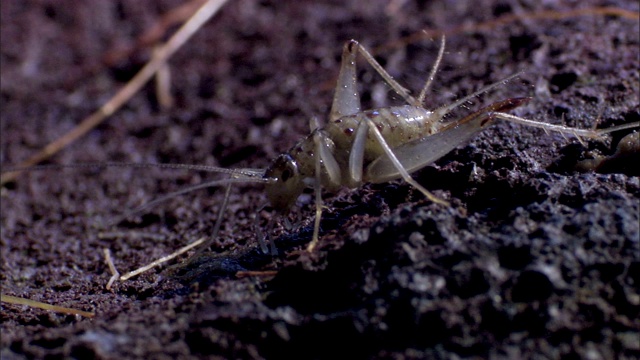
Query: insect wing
[{"x": 419, "y": 153}]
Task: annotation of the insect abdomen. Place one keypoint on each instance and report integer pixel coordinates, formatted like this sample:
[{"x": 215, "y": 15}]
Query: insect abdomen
[{"x": 398, "y": 125}]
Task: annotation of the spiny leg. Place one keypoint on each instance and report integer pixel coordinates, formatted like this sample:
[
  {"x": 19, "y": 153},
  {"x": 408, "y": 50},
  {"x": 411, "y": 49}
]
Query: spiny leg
[
  {"x": 400, "y": 168},
  {"x": 441, "y": 111},
  {"x": 588, "y": 133},
  {"x": 346, "y": 100},
  {"x": 402, "y": 91}
]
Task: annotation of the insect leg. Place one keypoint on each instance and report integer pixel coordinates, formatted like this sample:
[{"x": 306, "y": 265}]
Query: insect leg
[
  {"x": 317, "y": 187},
  {"x": 402, "y": 91},
  {"x": 260, "y": 235},
  {"x": 401, "y": 169},
  {"x": 357, "y": 150},
  {"x": 356, "y": 157},
  {"x": 346, "y": 100},
  {"x": 324, "y": 156},
  {"x": 589, "y": 133}
]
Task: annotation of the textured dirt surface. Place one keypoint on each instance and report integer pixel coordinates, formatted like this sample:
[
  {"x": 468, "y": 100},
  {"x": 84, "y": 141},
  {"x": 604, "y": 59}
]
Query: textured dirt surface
[{"x": 534, "y": 259}]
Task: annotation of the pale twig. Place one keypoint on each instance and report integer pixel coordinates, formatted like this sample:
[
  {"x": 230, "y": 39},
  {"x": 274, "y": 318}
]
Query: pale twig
[
  {"x": 115, "y": 275},
  {"x": 40, "y": 305},
  {"x": 133, "y": 86},
  {"x": 161, "y": 260},
  {"x": 163, "y": 85}
]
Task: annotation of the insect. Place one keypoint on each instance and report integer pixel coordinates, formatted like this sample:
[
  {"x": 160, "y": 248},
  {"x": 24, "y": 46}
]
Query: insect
[
  {"x": 384, "y": 144},
  {"x": 358, "y": 146}
]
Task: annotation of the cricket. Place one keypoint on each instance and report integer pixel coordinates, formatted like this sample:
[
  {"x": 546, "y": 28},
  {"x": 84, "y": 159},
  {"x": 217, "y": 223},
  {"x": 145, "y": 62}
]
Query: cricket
[
  {"x": 373, "y": 146},
  {"x": 359, "y": 146}
]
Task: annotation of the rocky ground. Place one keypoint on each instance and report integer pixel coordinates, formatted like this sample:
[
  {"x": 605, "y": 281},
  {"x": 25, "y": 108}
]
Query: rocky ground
[{"x": 537, "y": 257}]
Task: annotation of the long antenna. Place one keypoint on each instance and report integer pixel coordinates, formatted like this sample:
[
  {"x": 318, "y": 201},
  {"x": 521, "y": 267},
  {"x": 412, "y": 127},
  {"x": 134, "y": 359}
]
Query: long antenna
[
  {"x": 246, "y": 172},
  {"x": 443, "y": 110},
  {"x": 187, "y": 190}
]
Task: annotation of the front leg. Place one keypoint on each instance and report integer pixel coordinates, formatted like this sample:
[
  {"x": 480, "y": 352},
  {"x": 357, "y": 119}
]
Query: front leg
[{"x": 324, "y": 156}]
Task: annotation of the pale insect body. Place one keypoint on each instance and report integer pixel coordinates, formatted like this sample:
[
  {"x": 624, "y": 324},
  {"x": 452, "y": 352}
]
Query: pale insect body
[
  {"x": 376, "y": 145},
  {"x": 397, "y": 125}
]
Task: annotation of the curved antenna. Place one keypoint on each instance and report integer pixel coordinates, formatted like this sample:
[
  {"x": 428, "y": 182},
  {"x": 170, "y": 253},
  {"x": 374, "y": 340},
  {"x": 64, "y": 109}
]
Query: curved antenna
[
  {"x": 187, "y": 190},
  {"x": 434, "y": 70}
]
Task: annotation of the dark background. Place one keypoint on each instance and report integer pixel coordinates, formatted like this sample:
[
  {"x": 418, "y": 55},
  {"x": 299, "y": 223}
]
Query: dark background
[{"x": 534, "y": 258}]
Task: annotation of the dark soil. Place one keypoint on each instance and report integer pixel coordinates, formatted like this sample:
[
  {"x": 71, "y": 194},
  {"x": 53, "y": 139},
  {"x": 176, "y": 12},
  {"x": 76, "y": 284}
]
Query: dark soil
[{"x": 534, "y": 259}]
